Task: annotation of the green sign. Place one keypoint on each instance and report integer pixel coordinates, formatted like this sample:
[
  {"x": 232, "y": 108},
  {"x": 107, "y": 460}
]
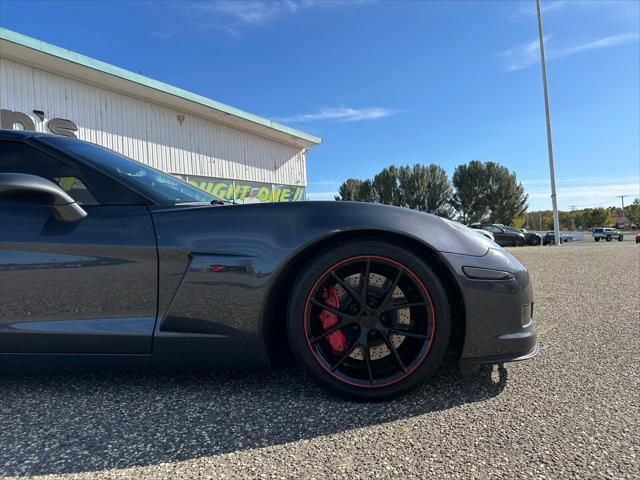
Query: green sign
[{"x": 246, "y": 192}]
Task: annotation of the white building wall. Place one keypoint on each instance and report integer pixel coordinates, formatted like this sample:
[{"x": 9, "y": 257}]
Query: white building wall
[{"x": 156, "y": 135}]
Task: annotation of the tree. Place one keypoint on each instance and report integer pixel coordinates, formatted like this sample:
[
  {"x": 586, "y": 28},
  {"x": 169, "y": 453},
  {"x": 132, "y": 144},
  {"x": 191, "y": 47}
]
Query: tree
[
  {"x": 479, "y": 191},
  {"x": 534, "y": 220},
  {"x": 600, "y": 217},
  {"x": 470, "y": 186},
  {"x": 505, "y": 197},
  {"x": 566, "y": 220},
  {"x": 350, "y": 190},
  {"x": 425, "y": 188},
  {"x": 580, "y": 219},
  {"x": 367, "y": 192},
  {"x": 487, "y": 191},
  {"x": 387, "y": 186},
  {"x": 632, "y": 212},
  {"x": 518, "y": 222}
]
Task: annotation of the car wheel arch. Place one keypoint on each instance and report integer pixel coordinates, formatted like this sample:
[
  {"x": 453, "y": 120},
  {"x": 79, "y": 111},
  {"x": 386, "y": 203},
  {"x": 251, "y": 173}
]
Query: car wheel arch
[{"x": 273, "y": 312}]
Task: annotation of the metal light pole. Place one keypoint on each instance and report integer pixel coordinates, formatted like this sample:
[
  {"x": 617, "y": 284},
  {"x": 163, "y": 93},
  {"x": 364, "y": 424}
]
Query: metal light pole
[
  {"x": 554, "y": 201},
  {"x": 622, "y": 197}
]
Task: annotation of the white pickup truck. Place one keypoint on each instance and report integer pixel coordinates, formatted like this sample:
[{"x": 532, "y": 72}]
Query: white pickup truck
[{"x": 607, "y": 233}]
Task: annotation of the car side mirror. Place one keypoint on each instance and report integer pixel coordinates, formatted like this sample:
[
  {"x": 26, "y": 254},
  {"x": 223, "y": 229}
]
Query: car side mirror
[{"x": 21, "y": 187}]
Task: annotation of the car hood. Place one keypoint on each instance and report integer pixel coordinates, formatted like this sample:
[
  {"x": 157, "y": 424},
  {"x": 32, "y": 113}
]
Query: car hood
[{"x": 310, "y": 220}]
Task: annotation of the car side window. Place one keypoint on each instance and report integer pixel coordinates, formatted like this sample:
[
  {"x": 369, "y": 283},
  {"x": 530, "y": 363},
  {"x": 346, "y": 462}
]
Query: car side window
[
  {"x": 16, "y": 157},
  {"x": 493, "y": 229}
]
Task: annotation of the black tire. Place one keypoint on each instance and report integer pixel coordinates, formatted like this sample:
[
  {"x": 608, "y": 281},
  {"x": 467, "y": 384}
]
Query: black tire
[
  {"x": 416, "y": 359},
  {"x": 608, "y": 238},
  {"x": 519, "y": 242},
  {"x": 534, "y": 242},
  {"x": 620, "y": 238},
  {"x": 597, "y": 239}
]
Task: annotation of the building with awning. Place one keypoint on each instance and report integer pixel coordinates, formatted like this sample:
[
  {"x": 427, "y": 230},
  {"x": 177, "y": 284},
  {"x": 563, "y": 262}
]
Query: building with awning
[{"x": 225, "y": 150}]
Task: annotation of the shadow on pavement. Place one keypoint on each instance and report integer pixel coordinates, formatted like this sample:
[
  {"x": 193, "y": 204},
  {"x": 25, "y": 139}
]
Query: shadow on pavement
[{"x": 82, "y": 422}]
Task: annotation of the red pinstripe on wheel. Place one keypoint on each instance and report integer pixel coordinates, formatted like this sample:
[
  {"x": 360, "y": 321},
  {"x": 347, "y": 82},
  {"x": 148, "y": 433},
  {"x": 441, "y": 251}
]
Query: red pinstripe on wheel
[{"x": 417, "y": 282}]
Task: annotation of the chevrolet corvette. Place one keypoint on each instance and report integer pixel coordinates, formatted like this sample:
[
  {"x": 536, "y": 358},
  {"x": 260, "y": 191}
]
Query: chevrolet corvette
[{"x": 105, "y": 261}]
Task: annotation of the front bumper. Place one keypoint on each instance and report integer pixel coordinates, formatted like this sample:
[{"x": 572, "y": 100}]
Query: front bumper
[
  {"x": 498, "y": 308},
  {"x": 470, "y": 365}
]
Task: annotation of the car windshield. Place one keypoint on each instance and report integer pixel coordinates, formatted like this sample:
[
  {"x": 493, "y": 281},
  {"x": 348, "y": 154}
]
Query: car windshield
[{"x": 159, "y": 186}]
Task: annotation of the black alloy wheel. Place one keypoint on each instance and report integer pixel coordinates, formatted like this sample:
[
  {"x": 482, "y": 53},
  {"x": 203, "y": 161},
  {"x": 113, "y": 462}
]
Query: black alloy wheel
[{"x": 369, "y": 320}]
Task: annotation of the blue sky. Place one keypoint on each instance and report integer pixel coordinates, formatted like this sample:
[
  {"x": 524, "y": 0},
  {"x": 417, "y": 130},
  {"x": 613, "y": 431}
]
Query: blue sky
[{"x": 394, "y": 82}]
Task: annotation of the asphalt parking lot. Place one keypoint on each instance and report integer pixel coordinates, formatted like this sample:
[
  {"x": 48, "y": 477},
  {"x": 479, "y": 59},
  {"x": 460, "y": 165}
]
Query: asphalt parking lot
[{"x": 572, "y": 412}]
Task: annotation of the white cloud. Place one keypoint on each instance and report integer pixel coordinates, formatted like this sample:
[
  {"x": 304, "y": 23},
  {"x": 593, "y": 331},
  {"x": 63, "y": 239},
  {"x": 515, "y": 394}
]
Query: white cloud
[
  {"x": 529, "y": 8},
  {"x": 340, "y": 114},
  {"x": 589, "y": 192},
  {"x": 582, "y": 192},
  {"x": 233, "y": 16},
  {"x": 324, "y": 182},
  {"x": 525, "y": 55},
  {"x": 573, "y": 180},
  {"x": 256, "y": 12},
  {"x": 163, "y": 35},
  {"x": 586, "y": 192},
  {"x": 321, "y": 195}
]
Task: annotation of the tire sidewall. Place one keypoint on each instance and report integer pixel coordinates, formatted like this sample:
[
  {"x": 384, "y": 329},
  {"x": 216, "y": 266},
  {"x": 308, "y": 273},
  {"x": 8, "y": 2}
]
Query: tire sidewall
[{"x": 306, "y": 281}]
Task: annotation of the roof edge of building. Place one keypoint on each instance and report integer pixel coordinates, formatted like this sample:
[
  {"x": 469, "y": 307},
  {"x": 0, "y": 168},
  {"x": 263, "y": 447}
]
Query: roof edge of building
[{"x": 118, "y": 72}]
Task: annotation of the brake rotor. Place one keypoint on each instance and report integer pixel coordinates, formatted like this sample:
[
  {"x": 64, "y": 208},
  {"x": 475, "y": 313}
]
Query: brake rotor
[{"x": 379, "y": 349}]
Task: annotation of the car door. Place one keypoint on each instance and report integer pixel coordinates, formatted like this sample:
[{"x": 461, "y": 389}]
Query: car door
[
  {"x": 501, "y": 237},
  {"x": 87, "y": 286}
]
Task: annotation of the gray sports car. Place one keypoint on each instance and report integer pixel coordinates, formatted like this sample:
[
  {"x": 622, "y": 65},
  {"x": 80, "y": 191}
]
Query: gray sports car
[{"x": 105, "y": 261}]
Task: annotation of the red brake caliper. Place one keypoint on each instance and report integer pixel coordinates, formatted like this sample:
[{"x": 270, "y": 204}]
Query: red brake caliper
[{"x": 336, "y": 339}]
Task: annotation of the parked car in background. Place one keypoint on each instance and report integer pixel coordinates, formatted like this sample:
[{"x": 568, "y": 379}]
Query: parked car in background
[
  {"x": 550, "y": 238},
  {"x": 530, "y": 238},
  {"x": 607, "y": 234},
  {"x": 502, "y": 236}
]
